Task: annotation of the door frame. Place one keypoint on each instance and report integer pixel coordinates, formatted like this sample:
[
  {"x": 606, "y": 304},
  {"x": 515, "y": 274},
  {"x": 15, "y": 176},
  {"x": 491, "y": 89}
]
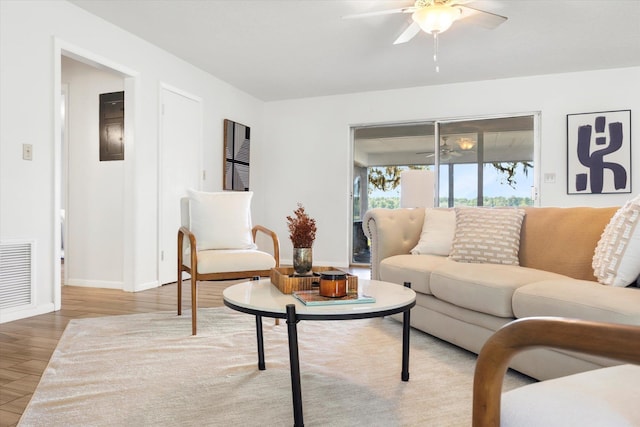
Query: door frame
[{"x": 131, "y": 84}]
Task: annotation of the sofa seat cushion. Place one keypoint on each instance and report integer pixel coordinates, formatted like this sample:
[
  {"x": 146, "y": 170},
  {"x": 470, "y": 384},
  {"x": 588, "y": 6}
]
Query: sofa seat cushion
[
  {"x": 487, "y": 288},
  {"x": 230, "y": 260},
  {"x": 581, "y": 299},
  {"x": 415, "y": 269},
  {"x": 602, "y": 397}
]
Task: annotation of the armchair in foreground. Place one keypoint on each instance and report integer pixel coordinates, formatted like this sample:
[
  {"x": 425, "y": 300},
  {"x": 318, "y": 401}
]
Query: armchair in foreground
[{"x": 602, "y": 397}]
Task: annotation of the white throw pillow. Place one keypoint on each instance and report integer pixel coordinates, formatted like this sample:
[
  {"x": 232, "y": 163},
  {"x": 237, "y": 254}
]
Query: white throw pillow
[
  {"x": 437, "y": 232},
  {"x": 616, "y": 261},
  {"x": 221, "y": 220},
  {"x": 487, "y": 235}
]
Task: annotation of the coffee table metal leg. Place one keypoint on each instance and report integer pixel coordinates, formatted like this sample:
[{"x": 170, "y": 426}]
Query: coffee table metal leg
[
  {"x": 260, "y": 337},
  {"x": 294, "y": 362},
  {"x": 406, "y": 327}
]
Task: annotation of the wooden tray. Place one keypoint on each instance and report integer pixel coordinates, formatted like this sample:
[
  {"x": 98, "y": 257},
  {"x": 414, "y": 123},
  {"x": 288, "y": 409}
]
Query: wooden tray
[{"x": 283, "y": 278}]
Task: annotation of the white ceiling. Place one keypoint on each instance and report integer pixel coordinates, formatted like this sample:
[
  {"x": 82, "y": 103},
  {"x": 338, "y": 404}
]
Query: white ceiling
[{"x": 288, "y": 49}]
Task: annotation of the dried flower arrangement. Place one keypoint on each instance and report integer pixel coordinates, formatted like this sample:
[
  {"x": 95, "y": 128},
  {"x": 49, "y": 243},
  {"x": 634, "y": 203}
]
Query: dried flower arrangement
[{"x": 302, "y": 228}]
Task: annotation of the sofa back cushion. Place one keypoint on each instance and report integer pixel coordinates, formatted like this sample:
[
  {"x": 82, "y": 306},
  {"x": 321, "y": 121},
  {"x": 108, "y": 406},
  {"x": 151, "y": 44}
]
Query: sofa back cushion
[{"x": 563, "y": 240}]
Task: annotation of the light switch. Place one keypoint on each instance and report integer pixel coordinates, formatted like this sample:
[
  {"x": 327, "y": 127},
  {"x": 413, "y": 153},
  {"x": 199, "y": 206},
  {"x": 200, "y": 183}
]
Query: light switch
[
  {"x": 27, "y": 152},
  {"x": 549, "y": 178}
]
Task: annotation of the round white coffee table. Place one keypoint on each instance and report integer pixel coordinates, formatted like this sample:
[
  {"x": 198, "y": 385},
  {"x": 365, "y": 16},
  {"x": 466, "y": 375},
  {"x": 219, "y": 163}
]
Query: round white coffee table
[{"x": 262, "y": 299}]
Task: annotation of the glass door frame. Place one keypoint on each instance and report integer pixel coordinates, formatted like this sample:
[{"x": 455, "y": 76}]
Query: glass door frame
[{"x": 535, "y": 190}]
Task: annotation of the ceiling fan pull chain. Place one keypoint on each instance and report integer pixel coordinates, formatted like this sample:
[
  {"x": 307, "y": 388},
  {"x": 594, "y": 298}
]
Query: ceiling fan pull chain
[{"x": 435, "y": 50}]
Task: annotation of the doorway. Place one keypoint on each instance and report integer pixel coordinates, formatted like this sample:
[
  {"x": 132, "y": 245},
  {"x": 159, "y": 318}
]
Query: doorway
[
  {"x": 128, "y": 78},
  {"x": 92, "y": 190}
]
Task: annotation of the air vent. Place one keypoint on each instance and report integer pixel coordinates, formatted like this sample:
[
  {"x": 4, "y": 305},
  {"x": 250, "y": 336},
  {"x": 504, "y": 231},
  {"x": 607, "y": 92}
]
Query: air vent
[{"x": 16, "y": 284}]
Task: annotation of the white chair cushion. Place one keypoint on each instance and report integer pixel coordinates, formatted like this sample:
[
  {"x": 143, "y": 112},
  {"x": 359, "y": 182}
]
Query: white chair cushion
[
  {"x": 221, "y": 220},
  {"x": 231, "y": 260},
  {"x": 603, "y": 397}
]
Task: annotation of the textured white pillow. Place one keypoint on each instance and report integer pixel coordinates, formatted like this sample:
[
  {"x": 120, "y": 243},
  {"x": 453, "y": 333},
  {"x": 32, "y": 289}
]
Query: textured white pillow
[
  {"x": 616, "y": 261},
  {"x": 487, "y": 235},
  {"x": 437, "y": 232},
  {"x": 221, "y": 220}
]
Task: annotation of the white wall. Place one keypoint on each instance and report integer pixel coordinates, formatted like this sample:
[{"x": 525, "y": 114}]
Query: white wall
[
  {"x": 94, "y": 251},
  {"x": 29, "y": 32},
  {"x": 309, "y": 140},
  {"x": 300, "y": 148}
]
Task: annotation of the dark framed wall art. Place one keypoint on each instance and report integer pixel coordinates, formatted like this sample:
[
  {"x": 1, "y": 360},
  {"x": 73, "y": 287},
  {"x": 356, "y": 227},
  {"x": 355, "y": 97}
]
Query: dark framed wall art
[
  {"x": 599, "y": 152},
  {"x": 237, "y": 144}
]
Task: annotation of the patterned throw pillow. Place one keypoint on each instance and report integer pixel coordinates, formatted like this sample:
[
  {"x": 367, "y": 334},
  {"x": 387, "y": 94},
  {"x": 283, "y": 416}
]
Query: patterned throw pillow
[
  {"x": 487, "y": 235},
  {"x": 616, "y": 261}
]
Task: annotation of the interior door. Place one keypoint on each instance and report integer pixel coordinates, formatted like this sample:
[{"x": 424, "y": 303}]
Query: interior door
[{"x": 180, "y": 169}]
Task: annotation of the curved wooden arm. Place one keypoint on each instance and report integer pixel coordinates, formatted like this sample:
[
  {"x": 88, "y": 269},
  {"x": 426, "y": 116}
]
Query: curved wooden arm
[
  {"x": 612, "y": 340},
  {"x": 274, "y": 238},
  {"x": 184, "y": 231}
]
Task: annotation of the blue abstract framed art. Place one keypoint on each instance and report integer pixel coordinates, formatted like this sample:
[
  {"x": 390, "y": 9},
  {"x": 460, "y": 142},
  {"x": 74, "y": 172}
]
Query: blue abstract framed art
[{"x": 599, "y": 152}]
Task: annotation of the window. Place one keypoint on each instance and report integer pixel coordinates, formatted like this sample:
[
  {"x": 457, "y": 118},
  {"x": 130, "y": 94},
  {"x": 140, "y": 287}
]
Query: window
[{"x": 479, "y": 162}]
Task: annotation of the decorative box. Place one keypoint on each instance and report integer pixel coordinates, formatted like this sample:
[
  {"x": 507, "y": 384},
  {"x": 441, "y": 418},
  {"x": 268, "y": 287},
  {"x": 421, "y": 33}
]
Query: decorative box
[{"x": 287, "y": 282}]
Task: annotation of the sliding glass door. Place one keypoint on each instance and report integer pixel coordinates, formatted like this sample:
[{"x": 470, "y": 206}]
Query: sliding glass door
[{"x": 477, "y": 162}]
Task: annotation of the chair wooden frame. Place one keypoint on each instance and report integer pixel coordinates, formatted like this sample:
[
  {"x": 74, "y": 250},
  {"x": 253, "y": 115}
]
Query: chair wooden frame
[
  {"x": 611, "y": 340},
  {"x": 195, "y": 276}
]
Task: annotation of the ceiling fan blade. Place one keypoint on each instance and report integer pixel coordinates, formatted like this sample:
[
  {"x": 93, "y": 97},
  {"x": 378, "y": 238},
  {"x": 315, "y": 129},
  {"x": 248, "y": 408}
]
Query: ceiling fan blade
[
  {"x": 408, "y": 33},
  {"x": 481, "y": 18},
  {"x": 409, "y": 9}
]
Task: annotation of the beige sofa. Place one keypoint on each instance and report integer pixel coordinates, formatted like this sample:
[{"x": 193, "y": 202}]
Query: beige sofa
[{"x": 465, "y": 303}]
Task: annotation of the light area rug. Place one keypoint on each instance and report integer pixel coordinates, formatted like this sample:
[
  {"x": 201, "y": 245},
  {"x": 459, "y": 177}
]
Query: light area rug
[{"x": 147, "y": 370}]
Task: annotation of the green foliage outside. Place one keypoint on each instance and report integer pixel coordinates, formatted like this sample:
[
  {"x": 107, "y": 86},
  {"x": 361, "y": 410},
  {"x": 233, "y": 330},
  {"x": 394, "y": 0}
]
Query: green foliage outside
[{"x": 500, "y": 201}]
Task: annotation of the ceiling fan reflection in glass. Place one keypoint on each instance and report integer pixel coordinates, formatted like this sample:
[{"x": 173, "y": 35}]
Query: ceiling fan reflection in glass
[{"x": 448, "y": 151}]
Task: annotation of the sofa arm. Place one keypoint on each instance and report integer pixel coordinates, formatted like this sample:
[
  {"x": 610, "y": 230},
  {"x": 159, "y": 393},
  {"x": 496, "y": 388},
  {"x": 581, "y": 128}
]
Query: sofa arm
[{"x": 391, "y": 232}]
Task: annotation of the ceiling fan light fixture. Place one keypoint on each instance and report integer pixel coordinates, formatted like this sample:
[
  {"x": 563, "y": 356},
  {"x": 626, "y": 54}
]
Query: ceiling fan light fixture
[
  {"x": 436, "y": 18},
  {"x": 466, "y": 144}
]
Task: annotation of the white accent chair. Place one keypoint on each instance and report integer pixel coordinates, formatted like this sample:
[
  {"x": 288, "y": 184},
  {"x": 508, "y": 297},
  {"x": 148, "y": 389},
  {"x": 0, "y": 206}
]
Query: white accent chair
[
  {"x": 601, "y": 397},
  {"x": 222, "y": 242}
]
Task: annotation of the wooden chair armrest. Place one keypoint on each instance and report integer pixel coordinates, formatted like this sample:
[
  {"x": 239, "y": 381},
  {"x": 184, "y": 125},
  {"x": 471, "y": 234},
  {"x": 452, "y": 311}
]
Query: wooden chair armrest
[
  {"x": 184, "y": 231},
  {"x": 274, "y": 238},
  {"x": 612, "y": 340}
]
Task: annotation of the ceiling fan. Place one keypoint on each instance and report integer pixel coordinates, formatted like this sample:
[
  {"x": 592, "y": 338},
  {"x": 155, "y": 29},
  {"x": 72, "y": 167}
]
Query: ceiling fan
[
  {"x": 437, "y": 16},
  {"x": 446, "y": 151}
]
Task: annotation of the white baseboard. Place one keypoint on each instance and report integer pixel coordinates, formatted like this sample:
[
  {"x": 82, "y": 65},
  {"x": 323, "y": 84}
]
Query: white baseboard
[
  {"x": 11, "y": 315},
  {"x": 107, "y": 284},
  {"x": 145, "y": 286}
]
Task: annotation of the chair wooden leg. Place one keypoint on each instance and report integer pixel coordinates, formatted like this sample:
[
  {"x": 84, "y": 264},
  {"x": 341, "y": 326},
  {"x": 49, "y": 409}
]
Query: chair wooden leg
[
  {"x": 194, "y": 305},
  {"x": 179, "y": 283}
]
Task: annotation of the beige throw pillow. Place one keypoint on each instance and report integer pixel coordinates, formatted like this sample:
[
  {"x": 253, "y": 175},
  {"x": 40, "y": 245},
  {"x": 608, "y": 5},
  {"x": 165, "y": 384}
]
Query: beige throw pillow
[
  {"x": 616, "y": 261},
  {"x": 437, "y": 232},
  {"x": 487, "y": 235},
  {"x": 221, "y": 220}
]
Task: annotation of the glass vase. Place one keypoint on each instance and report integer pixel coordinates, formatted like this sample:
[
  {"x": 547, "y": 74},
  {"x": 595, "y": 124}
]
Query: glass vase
[{"x": 302, "y": 261}]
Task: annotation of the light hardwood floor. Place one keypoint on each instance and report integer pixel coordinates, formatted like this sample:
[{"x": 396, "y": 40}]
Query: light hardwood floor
[{"x": 26, "y": 345}]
